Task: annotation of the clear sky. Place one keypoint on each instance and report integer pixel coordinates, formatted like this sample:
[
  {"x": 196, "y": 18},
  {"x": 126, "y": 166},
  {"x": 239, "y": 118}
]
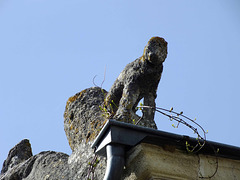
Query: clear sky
[{"x": 52, "y": 49}]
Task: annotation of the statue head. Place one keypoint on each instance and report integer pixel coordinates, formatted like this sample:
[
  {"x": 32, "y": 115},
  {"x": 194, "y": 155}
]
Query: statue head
[{"x": 156, "y": 50}]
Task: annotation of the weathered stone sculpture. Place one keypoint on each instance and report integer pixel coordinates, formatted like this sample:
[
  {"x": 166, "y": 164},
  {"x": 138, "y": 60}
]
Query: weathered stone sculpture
[
  {"x": 83, "y": 117},
  {"x": 138, "y": 80},
  {"x": 83, "y": 120}
]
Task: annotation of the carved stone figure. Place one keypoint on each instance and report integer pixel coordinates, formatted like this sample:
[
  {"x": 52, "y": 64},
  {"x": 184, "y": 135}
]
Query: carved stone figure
[
  {"x": 139, "y": 80},
  {"x": 83, "y": 120}
]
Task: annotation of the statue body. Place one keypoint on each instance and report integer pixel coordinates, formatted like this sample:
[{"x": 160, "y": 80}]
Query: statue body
[{"x": 139, "y": 80}]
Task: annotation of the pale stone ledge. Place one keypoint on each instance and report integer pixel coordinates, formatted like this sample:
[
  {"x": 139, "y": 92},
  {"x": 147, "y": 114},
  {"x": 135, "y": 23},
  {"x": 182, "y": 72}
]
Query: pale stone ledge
[{"x": 152, "y": 162}]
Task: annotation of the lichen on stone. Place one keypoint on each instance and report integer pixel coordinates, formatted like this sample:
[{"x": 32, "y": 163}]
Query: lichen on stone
[{"x": 82, "y": 116}]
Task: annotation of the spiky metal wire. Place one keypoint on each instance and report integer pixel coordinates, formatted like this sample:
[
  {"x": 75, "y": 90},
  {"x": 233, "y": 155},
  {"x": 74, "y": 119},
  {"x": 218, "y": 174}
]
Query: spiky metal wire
[{"x": 179, "y": 117}]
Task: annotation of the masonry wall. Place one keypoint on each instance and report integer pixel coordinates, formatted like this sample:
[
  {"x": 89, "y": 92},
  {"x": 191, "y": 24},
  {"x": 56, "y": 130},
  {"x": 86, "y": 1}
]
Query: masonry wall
[{"x": 151, "y": 162}]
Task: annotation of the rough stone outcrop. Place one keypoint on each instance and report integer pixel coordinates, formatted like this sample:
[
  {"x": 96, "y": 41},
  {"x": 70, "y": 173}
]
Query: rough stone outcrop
[
  {"x": 19, "y": 153},
  {"x": 82, "y": 121},
  {"x": 83, "y": 117},
  {"x": 20, "y": 164}
]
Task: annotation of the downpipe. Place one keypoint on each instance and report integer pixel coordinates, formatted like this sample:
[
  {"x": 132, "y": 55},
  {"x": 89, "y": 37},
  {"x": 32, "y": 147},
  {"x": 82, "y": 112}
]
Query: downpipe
[{"x": 115, "y": 161}]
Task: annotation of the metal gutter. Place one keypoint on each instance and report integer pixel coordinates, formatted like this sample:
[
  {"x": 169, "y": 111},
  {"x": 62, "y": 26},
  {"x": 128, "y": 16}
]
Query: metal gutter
[{"x": 117, "y": 137}]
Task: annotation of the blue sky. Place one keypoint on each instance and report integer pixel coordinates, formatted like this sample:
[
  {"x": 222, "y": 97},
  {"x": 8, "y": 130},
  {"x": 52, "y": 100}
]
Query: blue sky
[{"x": 52, "y": 49}]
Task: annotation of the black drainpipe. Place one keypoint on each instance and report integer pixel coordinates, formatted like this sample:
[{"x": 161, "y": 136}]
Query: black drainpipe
[{"x": 115, "y": 161}]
